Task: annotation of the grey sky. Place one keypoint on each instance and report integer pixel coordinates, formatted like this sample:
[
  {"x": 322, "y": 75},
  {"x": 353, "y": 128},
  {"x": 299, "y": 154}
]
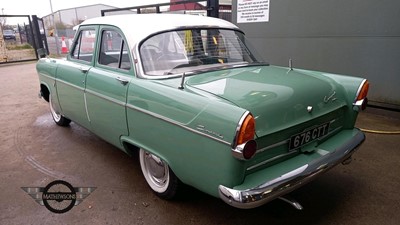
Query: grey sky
[{"x": 42, "y": 7}]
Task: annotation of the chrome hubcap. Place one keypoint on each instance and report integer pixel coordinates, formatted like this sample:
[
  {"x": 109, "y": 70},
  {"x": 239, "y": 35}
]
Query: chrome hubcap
[{"x": 157, "y": 169}]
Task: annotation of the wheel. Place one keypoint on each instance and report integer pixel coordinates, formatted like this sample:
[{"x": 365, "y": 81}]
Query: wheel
[
  {"x": 158, "y": 175},
  {"x": 57, "y": 117}
]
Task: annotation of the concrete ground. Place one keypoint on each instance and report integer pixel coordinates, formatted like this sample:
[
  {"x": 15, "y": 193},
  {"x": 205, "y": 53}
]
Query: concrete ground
[{"x": 34, "y": 152}]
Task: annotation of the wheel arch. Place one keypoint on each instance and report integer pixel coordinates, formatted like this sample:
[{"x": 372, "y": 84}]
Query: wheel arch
[
  {"x": 45, "y": 91},
  {"x": 132, "y": 148}
]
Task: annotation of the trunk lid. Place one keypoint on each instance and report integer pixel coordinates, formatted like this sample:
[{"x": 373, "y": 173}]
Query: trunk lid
[{"x": 277, "y": 97}]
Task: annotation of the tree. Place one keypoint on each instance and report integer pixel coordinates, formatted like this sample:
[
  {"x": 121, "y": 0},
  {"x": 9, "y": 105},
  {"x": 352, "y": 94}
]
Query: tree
[
  {"x": 60, "y": 26},
  {"x": 3, "y": 21}
]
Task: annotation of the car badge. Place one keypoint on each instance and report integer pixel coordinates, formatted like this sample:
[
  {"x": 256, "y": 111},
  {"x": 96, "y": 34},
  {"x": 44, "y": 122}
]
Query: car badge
[{"x": 330, "y": 97}]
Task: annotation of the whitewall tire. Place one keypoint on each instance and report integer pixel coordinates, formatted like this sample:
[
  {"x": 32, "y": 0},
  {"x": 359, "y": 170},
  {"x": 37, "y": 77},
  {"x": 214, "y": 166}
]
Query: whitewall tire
[{"x": 158, "y": 175}]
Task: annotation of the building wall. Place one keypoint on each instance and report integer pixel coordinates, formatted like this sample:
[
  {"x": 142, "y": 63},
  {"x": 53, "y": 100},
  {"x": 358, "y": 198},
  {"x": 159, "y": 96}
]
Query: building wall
[{"x": 353, "y": 37}]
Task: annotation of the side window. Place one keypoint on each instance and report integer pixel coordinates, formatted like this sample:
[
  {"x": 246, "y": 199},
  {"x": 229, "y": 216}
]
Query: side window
[
  {"x": 114, "y": 51},
  {"x": 84, "y": 46}
]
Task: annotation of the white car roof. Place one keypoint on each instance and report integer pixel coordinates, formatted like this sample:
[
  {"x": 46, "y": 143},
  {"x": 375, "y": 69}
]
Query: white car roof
[{"x": 136, "y": 27}]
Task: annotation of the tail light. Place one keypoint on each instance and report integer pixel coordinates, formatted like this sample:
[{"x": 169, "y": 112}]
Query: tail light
[
  {"x": 361, "y": 98},
  {"x": 363, "y": 90},
  {"x": 245, "y": 147},
  {"x": 247, "y": 130}
]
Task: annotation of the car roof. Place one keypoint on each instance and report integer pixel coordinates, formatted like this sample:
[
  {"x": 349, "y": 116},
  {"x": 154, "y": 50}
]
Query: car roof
[{"x": 136, "y": 27}]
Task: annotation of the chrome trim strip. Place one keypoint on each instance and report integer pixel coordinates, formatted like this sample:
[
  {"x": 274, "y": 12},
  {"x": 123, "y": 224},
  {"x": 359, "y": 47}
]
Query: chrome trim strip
[
  {"x": 330, "y": 133},
  {"x": 112, "y": 100},
  {"x": 273, "y": 146},
  {"x": 86, "y": 108},
  {"x": 69, "y": 84},
  {"x": 175, "y": 123},
  {"x": 245, "y": 114},
  {"x": 359, "y": 103},
  {"x": 285, "y": 183},
  {"x": 270, "y": 160},
  {"x": 359, "y": 89},
  {"x": 140, "y": 110},
  {"x": 45, "y": 75}
]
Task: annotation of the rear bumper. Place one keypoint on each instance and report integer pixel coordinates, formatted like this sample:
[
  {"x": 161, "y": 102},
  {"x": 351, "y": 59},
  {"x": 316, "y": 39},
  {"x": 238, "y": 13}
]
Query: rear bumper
[{"x": 289, "y": 181}]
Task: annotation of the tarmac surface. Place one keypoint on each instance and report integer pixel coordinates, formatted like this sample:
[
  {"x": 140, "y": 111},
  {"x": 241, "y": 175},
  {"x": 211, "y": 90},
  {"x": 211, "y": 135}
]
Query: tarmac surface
[{"x": 34, "y": 151}]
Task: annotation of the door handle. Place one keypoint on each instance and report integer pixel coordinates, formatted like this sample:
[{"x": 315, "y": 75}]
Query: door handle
[
  {"x": 84, "y": 69},
  {"x": 122, "y": 81}
]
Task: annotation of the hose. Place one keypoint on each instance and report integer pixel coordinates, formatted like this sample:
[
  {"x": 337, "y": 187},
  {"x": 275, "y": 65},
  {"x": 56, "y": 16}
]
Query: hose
[{"x": 379, "y": 131}]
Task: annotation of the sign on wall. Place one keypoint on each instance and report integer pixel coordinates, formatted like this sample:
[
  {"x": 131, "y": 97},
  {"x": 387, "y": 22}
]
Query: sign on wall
[{"x": 252, "y": 11}]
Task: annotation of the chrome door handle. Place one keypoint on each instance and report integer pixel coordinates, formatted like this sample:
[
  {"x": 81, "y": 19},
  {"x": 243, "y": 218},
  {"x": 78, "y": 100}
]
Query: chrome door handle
[
  {"x": 122, "y": 81},
  {"x": 84, "y": 69}
]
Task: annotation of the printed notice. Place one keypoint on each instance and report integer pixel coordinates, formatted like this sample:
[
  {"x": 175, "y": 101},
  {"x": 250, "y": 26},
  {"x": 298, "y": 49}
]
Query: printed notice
[{"x": 252, "y": 11}]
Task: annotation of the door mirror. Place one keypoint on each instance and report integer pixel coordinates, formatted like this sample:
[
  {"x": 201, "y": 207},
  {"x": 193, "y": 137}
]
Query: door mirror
[{"x": 42, "y": 53}]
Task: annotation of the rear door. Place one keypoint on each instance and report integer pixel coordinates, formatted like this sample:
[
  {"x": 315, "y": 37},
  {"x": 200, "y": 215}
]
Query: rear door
[
  {"x": 107, "y": 84},
  {"x": 71, "y": 76}
]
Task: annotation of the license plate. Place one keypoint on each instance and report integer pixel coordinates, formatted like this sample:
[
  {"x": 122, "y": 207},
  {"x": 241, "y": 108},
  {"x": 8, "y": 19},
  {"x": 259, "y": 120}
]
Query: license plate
[{"x": 307, "y": 136}]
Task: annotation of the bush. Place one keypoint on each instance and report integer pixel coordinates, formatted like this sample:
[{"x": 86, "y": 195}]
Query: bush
[{"x": 19, "y": 47}]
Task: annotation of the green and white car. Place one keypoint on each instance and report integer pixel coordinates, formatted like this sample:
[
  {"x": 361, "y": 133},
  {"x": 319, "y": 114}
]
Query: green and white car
[{"x": 189, "y": 94}]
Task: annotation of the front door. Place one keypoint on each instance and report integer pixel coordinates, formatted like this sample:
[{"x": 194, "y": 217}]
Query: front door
[{"x": 71, "y": 76}]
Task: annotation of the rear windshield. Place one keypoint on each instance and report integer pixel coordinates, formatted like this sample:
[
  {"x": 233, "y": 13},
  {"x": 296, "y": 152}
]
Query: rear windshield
[{"x": 181, "y": 51}]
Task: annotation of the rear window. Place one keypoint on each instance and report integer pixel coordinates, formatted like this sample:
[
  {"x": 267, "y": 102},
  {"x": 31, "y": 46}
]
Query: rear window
[{"x": 181, "y": 51}]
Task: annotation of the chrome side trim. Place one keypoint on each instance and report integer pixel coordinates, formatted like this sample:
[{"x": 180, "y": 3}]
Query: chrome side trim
[
  {"x": 330, "y": 133},
  {"x": 273, "y": 146},
  {"x": 270, "y": 160},
  {"x": 69, "y": 84},
  {"x": 155, "y": 115},
  {"x": 50, "y": 77},
  {"x": 112, "y": 100},
  {"x": 285, "y": 183},
  {"x": 86, "y": 108}
]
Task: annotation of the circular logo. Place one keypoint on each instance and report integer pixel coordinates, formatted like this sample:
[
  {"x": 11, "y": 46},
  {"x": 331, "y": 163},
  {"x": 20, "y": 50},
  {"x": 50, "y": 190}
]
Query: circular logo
[{"x": 59, "y": 196}]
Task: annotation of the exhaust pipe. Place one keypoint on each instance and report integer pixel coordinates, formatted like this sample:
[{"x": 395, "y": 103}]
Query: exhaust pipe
[
  {"x": 291, "y": 201},
  {"x": 347, "y": 161}
]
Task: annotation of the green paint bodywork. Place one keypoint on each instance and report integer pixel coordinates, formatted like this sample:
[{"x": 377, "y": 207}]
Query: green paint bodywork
[{"x": 193, "y": 128}]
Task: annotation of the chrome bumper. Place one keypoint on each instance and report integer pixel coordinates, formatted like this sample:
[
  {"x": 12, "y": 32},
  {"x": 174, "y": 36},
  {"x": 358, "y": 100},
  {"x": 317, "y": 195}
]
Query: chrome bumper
[{"x": 272, "y": 189}]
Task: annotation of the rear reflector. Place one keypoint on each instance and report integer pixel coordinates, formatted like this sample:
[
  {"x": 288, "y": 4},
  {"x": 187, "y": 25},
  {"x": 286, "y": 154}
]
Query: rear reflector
[{"x": 249, "y": 149}]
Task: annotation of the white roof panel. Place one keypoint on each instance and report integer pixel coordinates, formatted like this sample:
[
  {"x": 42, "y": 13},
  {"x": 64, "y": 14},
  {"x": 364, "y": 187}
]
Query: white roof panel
[{"x": 136, "y": 27}]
